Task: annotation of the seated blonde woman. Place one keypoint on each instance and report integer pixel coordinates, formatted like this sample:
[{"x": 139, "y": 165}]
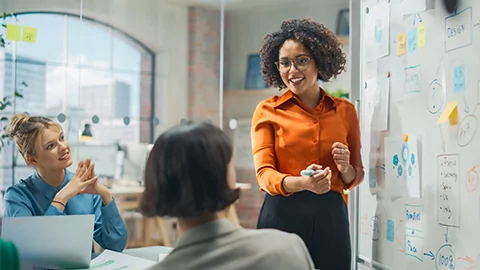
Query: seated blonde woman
[
  {"x": 53, "y": 190},
  {"x": 190, "y": 175}
]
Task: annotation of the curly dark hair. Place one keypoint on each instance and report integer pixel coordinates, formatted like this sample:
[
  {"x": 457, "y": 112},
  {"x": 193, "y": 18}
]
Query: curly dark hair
[{"x": 319, "y": 41}]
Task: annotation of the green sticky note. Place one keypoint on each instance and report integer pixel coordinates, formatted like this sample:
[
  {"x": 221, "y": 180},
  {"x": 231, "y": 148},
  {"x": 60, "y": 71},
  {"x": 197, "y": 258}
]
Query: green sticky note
[
  {"x": 29, "y": 34},
  {"x": 13, "y": 32}
]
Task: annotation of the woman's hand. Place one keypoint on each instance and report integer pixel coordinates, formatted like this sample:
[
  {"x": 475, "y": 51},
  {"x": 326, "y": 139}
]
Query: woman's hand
[
  {"x": 318, "y": 183},
  {"x": 95, "y": 187},
  {"x": 82, "y": 178},
  {"x": 341, "y": 156}
]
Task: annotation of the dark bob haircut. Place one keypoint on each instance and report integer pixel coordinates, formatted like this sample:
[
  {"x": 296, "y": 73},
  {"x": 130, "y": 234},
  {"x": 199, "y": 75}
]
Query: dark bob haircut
[
  {"x": 322, "y": 44},
  {"x": 186, "y": 172}
]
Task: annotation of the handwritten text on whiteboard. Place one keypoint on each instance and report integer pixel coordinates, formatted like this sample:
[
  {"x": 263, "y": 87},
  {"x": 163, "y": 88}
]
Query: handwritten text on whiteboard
[{"x": 458, "y": 30}]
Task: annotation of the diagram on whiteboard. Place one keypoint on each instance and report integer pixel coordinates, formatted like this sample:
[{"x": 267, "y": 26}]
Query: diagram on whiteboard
[
  {"x": 467, "y": 130},
  {"x": 377, "y": 31},
  {"x": 402, "y": 173},
  {"x": 435, "y": 97},
  {"x": 472, "y": 179}
]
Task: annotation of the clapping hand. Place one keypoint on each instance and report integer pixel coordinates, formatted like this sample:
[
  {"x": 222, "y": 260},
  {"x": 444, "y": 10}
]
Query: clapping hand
[
  {"x": 96, "y": 188},
  {"x": 83, "y": 177}
]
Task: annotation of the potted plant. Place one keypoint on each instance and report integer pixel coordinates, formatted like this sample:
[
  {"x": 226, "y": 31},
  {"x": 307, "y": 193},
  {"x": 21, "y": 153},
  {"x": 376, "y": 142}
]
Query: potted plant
[{"x": 339, "y": 93}]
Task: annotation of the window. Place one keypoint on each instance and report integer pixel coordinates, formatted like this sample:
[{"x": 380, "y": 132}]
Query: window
[{"x": 82, "y": 69}]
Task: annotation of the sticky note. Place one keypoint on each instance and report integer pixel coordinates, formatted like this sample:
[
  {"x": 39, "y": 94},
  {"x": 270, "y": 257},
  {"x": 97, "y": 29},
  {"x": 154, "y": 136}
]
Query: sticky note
[
  {"x": 29, "y": 34},
  {"x": 421, "y": 35},
  {"x": 390, "y": 230},
  {"x": 401, "y": 43},
  {"x": 459, "y": 79},
  {"x": 13, "y": 32},
  {"x": 450, "y": 113},
  {"x": 412, "y": 40},
  {"x": 405, "y": 137}
]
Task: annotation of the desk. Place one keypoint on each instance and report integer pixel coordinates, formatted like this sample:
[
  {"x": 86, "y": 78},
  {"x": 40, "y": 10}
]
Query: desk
[
  {"x": 127, "y": 198},
  {"x": 148, "y": 253}
]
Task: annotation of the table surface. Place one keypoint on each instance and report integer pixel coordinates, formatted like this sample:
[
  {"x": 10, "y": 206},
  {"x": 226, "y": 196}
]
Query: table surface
[{"x": 147, "y": 253}]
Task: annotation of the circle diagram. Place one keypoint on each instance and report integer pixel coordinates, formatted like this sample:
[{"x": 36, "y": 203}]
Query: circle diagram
[
  {"x": 467, "y": 130},
  {"x": 445, "y": 259},
  {"x": 435, "y": 98},
  {"x": 472, "y": 180},
  {"x": 405, "y": 153}
]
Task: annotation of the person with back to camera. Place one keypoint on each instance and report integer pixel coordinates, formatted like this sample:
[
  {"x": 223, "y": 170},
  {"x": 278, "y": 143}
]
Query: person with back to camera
[
  {"x": 53, "y": 190},
  {"x": 190, "y": 175},
  {"x": 305, "y": 143}
]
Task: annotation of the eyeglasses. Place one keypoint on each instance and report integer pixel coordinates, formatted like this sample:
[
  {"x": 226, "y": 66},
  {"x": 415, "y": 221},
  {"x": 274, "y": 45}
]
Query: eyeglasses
[{"x": 301, "y": 64}]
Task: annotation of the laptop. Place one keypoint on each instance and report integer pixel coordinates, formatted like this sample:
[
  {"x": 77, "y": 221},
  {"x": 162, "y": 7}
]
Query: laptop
[{"x": 51, "y": 241}]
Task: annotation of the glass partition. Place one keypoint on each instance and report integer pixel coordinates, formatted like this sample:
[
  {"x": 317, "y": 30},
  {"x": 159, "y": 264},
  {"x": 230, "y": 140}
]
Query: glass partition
[{"x": 246, "y": 25}]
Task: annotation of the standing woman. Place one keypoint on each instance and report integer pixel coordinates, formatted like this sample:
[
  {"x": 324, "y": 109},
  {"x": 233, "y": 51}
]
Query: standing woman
[{"x": 306, "y": 129}]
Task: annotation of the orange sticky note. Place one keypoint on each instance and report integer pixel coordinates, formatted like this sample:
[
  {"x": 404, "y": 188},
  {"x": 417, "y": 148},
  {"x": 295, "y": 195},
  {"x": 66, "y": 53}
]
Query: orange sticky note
[
  {"x": 29, "y": 34},
  {"x": 13, "y": 32},
  {"x": 421, "y": 35},
  {"x": 402, "y": 43},
  {"x": 450, "y": 113}
]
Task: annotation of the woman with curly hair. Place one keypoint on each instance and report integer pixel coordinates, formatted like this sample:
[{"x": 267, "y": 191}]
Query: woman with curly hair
[{"x": 306, "y": 144}]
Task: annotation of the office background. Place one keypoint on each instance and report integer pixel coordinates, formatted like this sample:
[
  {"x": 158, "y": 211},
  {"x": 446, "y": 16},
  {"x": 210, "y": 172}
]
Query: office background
[{"x": 123, "y": 71}]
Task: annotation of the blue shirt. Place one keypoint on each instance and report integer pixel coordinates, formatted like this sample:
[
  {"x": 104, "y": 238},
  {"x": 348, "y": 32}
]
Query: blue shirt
[{"x": 33, "y": 197}]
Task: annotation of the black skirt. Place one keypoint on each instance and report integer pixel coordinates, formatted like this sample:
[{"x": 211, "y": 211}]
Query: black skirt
[{"x": 320, "y": 220}]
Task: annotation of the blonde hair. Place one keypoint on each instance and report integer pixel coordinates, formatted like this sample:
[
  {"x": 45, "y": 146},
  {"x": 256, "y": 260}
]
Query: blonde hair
[{"x": 25, "y": 129}]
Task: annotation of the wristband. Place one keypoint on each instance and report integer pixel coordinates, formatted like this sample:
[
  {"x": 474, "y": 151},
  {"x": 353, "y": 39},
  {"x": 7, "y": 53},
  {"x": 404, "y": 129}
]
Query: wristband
[{"x": 59, "y": 203}]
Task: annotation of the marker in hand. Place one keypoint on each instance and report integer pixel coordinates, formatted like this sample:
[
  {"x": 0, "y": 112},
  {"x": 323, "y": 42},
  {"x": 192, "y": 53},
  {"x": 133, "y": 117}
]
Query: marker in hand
[{"x": 310, "y": 172}]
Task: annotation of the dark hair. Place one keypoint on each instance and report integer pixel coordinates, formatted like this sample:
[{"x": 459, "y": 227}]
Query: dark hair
[
  {"x": 25, "y": 129},
  {"x": 186, "y": 172},
  {"x": 322, "y": 43}
]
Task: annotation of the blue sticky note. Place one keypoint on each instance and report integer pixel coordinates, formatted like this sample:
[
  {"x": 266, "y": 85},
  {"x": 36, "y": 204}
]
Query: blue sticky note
[
  {"x": 459, "y": 79},
  {"x": 412, "y": 40},
  {"x": 390, "y": 230}
]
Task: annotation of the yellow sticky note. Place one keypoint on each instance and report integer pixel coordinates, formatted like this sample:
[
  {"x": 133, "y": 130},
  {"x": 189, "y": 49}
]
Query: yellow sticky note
[
  {"x": 405, "y": 137},
  {"x": 421, "y": 35},
  {"x": 450, "y": 113},
  {"x": 402, "y": 43},
  {"x": 29, "y": 34},
  {"x": 13, "y": 32}
]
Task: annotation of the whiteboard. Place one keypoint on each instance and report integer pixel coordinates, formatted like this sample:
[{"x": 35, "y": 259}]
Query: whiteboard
[{"x": 419, "y": 206}]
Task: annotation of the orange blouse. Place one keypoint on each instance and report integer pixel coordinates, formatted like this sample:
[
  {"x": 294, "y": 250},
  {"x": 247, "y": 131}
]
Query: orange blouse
[{"x": 287, "y": 136}]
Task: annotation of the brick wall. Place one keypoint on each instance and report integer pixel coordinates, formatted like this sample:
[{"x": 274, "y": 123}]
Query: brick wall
[
  {"x": 203, "y": 102},
  {"x": 204, "y": 59}
]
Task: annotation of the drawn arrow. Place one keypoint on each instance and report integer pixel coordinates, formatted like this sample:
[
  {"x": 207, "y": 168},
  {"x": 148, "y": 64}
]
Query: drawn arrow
[
  {"x": 430, "y": 254},
  {"x": 415, "y": 19},
  {"x": 468, "y": 259},
  {"x": 446, "y": 234},
  {"x": 466, "y": 109},
  {"x": 443, "y": 140}
]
